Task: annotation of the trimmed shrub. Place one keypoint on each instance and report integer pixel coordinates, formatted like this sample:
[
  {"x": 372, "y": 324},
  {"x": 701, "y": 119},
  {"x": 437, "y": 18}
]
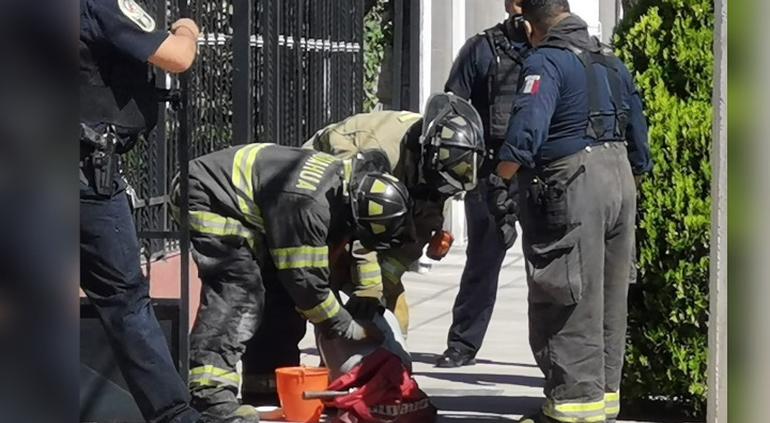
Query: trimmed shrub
[
  {"x": 667, "y": 44},
  {"x": 378, "y": 33}
]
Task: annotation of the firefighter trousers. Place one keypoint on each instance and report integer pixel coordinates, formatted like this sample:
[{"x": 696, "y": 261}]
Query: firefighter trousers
[
  {"x": 578, "y": 230},
  {"x": 275, "y": 344},
  {"x": 231, "y": 308}
]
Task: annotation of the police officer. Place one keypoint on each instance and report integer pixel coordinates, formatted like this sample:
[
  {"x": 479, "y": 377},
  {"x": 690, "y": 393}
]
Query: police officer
[
  {"x": 576, "y": 139},
  {"x": 261, "y": 212},
  {"x": 486, "y": 71},
  {"x": 118, "y": 102}
]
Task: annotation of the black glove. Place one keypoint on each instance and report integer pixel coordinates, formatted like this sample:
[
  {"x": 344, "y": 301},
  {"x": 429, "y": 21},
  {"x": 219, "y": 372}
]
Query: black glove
[
  {"x": 507, "y": 230},
  {"x": 499, "y": 198},
  {"x": 364, "y": 308},
  {"x": 503, "y": 208}
]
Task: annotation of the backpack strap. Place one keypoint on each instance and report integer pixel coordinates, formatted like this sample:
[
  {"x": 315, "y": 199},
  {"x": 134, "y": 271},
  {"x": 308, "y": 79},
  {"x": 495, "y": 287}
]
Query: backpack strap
[{"x": 597, "y": 119}]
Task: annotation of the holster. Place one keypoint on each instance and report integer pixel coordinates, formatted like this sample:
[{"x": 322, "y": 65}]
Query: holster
[
  {"x": 102, "y": 161},
  {"x": 547, "y": 199}
]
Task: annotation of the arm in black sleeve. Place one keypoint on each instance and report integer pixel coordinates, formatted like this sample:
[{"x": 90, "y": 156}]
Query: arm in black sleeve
[
  {"x": 636, "y": 131},
  {"x": 465, "y": 70},
  {"x": 296, "y": 233},
  {"x": 126, "y": 26}
]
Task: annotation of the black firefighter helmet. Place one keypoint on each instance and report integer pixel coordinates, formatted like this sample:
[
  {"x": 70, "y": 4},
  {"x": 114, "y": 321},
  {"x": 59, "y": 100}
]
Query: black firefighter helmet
[
  {"x": 380, "y": 205},
  {"x": 452, "y": 144}
]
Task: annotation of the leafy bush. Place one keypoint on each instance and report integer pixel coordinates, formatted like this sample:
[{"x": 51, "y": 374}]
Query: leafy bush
[
  {"x": 377, "y": 35},
  {"x": 668, "y": 46}
]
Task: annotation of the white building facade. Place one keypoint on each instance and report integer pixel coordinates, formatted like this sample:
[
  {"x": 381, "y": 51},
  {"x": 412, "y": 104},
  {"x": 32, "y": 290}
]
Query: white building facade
[{"x": 445, "y": 25}]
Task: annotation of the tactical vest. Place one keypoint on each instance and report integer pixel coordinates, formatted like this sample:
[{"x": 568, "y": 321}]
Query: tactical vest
[
  {"x": 598, "y": 128},
  {"x": 116, "y": 90},
  {"x": 502, "y": 82},
  {"x": 502, "y": 86}
]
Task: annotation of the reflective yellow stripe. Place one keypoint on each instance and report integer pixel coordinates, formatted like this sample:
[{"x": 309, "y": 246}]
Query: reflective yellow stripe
[
  {"x": 209, "y": 375},
  {"x": 579, "y": 407},
  {"x": 327, "y": 309},
  {"x": 392, "y": 269},
  {"x": 612, "y": 401},
  {"x": 612, "y": 412},
  {"x": 369, "y": 274},
  {"x": 348, "y": 169},
  {"x": 214, "y": 224},
  {"x": 406, "y": 117},
  {"x": 575, "y": 412},
  {"x": 300, "y": 257},
  {"x": 243, "y": 182}
]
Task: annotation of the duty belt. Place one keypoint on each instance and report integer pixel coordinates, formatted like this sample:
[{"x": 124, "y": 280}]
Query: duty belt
[{"x": 102, "y": 160}]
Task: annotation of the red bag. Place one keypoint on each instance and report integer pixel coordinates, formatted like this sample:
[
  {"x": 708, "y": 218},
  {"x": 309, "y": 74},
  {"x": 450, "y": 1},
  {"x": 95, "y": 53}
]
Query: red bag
[{"x": 385, "y": 392}]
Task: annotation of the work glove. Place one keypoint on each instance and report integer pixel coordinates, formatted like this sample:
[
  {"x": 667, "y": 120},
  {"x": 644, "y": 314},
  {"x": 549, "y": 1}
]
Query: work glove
[
  {"x": 499, "y": 199},
  {"x": 503, "y": 208},
  {"x": 364, "y": 308},
  {"x": 344, "y": 326}
]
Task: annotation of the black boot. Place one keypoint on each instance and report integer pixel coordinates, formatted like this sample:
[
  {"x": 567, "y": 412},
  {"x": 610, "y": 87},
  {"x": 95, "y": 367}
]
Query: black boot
[
  {"x": 454, "y": 358},
  {"x": 537, "y": 418}
]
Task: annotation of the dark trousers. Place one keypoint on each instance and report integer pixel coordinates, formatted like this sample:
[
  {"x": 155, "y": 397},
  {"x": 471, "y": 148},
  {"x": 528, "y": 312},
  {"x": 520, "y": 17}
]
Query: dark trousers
[
  {"x": 110, "y": 275},
  {"x": 274, "y": 345},
  {"x": 231, "y": 308},
  {"x": 578, "y": 248},
  {"x": 485, "y": 252},
  {"x": 242, "y": 304}
]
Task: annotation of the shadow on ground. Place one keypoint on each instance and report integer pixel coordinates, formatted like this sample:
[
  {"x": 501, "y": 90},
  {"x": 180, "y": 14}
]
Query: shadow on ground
[
  {"x": 486, "y": 379},
  {"x": 430, "y": 358},
  {"x": 452, "y": 406},
  {"x": 446, "y": 418}
]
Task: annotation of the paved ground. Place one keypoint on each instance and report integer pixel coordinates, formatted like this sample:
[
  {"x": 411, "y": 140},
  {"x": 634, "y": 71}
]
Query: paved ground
[{"x": 505, "y": 383}]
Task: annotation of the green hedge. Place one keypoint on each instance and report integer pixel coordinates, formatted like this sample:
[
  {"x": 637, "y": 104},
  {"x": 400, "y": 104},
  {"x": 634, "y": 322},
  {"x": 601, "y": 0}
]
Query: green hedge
[
  {"x": 668, "y": 46},
  {"x": 377, "y": 35}
]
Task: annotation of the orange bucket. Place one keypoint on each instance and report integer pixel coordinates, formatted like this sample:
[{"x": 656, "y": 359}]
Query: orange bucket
[{"x": 291, "y": 383}]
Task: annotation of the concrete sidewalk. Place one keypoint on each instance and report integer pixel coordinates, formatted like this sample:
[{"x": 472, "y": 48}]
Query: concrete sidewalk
[{"x": 505, "y": 384}]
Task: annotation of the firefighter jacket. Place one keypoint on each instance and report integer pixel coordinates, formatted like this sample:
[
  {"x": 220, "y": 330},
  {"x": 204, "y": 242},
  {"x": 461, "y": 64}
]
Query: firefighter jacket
[
  {"x": 288, "y": 204},
  {"x": 391, "y": 132}
]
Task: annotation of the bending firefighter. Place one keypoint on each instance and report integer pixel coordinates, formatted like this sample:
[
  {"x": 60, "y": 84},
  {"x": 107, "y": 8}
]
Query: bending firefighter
[
  {"x": 436, "y": 156},
  {"x": 263, "y": 212}
]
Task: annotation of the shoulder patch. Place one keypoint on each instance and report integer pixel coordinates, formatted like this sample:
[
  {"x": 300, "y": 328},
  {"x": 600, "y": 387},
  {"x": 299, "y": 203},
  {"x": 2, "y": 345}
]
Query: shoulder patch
[
  {"x": 139, "y": 16},
  {"x": 531, "y": 84}
]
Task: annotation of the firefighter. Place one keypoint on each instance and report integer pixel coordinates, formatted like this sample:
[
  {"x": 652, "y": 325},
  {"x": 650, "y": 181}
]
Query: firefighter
[
  {"x": 264, "y": 212},
  {"x": 576, "y": 139},
  {"x": 436, "y": 155}
]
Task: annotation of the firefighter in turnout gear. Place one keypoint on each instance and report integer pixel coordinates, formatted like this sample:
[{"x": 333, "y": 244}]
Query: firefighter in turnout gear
[
  {"x": 259, "y": 212},
  {"x": 577, "y": 138},
  {"x": 436, "y": 156}
]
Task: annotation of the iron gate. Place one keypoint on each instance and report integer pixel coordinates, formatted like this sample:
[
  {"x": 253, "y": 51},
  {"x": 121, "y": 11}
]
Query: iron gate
[{"x": 266, "y": 71}]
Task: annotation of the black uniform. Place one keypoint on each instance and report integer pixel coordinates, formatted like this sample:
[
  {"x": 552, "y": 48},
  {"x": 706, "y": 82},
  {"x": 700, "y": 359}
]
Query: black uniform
[
  {"x": 260, "y": 214},
  {"x": 579, "y": 133},
  {"x": 486, "y": 72},
  {"x": 116, "y": 39}
]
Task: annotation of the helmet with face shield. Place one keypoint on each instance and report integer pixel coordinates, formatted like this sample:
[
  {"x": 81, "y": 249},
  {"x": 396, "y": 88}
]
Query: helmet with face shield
[{"x": 452, "y": 144}]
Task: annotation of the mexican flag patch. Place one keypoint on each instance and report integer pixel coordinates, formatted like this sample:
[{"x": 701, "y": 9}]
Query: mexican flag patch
[{"x": 531, "y": 84}]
